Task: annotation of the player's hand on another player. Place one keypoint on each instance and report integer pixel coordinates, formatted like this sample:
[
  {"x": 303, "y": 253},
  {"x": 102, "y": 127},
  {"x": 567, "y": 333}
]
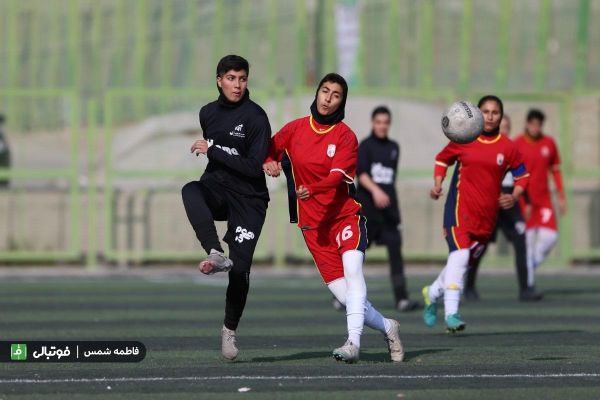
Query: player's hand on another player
[
  {"x": 302, "y": 192},
  {"x": 436, "y": 192},
  {"x": 381, "y": 199},
  {"x": 507, "y": 201},
  {"x": 200, "y": 147},
  {"x": 272, "y": 168},
  {"x": 562, "y": 205}
]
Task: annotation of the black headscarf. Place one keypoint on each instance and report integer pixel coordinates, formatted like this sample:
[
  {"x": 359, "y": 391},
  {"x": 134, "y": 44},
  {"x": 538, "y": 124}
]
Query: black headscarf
[
  {"x": 485, "y": 99},
  {"x": 338, "y": 115}
]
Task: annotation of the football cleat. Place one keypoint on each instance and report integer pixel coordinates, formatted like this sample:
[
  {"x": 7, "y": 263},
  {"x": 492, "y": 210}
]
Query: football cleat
[
  {"x": 215, "y": 262},
  {"x": 348, "y": 353},
  {"x": 228, "y": 347},
  {"x": 393, "y": 341},
  {"x": 430, "y": 310},
  {"x": 530, "y": 294},
  {"x": 454, "y": 323},
  {"x": 471, "y": 294},
  {"x": 407, "y": 305}
]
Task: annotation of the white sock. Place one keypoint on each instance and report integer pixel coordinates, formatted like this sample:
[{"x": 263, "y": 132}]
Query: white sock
[
  {"x": 454, "y": 278},
  {"x": 546, "y": 240},
  {"x": 451, "y": 301},
  {"x": 356, "y": 294},
  {"x": 437, "y": 287},
  {"x": 373, "y": 318}
]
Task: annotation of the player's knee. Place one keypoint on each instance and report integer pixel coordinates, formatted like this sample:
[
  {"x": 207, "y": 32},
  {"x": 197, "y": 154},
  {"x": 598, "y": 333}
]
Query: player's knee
[
  {"x": 352, "y": 261},
  {"x": 353, "y": 274},
  {"x": 189, "y": 191}
]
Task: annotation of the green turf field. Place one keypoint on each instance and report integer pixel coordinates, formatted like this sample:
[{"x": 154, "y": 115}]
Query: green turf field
[{"x": 510, "y": 350}]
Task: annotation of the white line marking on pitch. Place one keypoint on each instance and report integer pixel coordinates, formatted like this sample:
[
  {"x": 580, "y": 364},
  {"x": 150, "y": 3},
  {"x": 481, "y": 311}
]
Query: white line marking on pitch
[{"x": 299, "y": 378}]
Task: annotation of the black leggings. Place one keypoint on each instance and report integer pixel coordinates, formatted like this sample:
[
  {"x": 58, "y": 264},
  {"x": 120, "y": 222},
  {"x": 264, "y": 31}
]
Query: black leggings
[{"x": 206, "y": 202}]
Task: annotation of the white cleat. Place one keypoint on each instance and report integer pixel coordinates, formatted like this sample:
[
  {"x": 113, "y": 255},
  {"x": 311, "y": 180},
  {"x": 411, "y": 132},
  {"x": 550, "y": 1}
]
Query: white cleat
[
  {"x": 393, "y": 341},
  {"x": 215, "y": 262},
  {"x": 349, "y": 353},
  {"x": 228, "y": 347}
]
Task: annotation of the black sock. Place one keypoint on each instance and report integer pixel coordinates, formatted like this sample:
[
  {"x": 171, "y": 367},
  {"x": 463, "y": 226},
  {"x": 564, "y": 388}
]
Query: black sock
[
  {"x": 237, "y": 293},
  {"x": 394, "y": 247},
  {"x": 521, "y": 260},
  {"x": 472, "y": 275}
]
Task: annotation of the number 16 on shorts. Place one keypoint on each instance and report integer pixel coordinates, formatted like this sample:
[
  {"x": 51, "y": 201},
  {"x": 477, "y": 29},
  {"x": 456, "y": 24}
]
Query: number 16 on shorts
[
  {"x": 351, "y": 234},
  {"x": 344, "y": 235}
]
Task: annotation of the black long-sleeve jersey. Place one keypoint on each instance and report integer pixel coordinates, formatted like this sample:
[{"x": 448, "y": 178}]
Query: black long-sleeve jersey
[
  {"x": 379, "y": 158},
  {"x": 238, "y": 136}
]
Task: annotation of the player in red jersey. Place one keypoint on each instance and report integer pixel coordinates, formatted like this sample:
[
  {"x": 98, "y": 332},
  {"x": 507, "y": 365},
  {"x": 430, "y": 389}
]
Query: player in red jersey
[
  {"x": 323, "y": 152},
  {"x": 541, "y": 159},
  {"x": 471, "y": 209}
]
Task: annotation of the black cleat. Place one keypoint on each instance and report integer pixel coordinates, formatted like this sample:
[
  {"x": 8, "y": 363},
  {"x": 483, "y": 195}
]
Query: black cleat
[
  {"x": 471, "y": 294},
  {"x": 407, "y": 305},
  {"x": 530, "y": 294}
]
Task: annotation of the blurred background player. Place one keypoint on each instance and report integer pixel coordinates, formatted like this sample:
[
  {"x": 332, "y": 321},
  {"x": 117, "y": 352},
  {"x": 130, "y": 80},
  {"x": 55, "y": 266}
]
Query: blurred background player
[
  {"x": 472, "y": 205},
  {"x": 322, "y": 152},
  {"x": 512, "y": 224},
  {"x": 541, "y": 159},
  {"x": 378, "y": 158},
  {"x": 233, "y": 187},
  {"x": 4, "y": 152}
]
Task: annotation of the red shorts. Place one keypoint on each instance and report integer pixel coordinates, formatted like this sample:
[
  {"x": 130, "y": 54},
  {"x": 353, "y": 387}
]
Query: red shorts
[
  {"x": 541, "y": 216},
  {"x": 461, "y": 238},
  {"x": 328, "y": 243}
]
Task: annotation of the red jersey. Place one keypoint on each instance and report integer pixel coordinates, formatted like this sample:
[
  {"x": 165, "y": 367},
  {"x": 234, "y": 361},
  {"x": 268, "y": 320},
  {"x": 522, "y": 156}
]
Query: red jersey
[
  {"x": 472, "y": 202},
  {"x": 541, "y": 158},
  {"x": 323, "y": 159}
]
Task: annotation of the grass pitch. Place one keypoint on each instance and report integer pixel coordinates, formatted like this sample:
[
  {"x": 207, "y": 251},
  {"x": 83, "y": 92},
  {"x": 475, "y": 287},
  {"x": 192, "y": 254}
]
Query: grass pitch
[{"x": 510, "y": 349}]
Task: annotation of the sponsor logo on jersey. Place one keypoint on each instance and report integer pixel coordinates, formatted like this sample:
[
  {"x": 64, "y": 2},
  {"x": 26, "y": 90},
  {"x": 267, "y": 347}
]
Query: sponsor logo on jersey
[
  {"x": 382, "y": 174},
  {"x": 237, "y": 131},
  {"x": 500, "y": 159},
  {"x": 331, "y": 150},
  {"x": 232, "y": 151},
  {"x": 243, "y": 234}
]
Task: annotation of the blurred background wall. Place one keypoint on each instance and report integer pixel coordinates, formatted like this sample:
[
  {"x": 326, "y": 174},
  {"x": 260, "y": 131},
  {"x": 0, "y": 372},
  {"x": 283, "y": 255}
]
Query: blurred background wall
[{"x": 101, "y": 102}]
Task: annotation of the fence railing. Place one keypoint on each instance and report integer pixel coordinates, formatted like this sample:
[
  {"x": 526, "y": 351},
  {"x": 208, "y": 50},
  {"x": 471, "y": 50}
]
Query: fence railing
[{"x": 117, "y": 194}]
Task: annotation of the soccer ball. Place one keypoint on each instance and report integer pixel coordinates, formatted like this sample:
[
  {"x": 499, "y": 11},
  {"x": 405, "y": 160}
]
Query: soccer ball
[{"x": 462, "y": 122}]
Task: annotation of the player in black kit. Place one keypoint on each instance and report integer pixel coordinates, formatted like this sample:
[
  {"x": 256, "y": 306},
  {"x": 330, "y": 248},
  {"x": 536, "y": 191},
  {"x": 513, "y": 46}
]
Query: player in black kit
[
  {"x": 378, "y": 158},
  {"x": 236, "y": 134}
]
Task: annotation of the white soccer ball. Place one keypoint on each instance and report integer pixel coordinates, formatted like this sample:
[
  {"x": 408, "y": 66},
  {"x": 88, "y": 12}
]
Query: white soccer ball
[{"x": 462, "y": 122}]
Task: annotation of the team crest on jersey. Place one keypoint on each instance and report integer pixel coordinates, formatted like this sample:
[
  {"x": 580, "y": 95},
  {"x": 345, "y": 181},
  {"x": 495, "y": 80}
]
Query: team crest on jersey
[
  {"x": 331, "y": 150},
  {"x": 545, "y": 151},
  {"x": 500, "y": 159}
]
